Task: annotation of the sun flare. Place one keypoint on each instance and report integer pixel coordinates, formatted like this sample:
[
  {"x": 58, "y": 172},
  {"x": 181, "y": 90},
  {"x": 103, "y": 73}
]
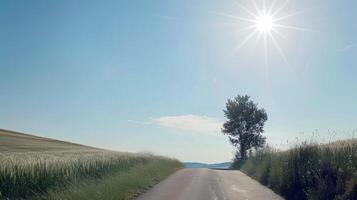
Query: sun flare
[{"x": 265, "y": 24}]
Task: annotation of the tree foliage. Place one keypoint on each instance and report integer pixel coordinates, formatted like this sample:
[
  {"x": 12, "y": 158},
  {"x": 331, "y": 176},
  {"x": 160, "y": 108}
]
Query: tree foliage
[{"x": 244, "y": 125}]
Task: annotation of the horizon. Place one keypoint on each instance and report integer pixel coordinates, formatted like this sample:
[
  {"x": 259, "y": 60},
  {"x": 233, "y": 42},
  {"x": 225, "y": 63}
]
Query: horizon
[{"x": 140, "y": 76}]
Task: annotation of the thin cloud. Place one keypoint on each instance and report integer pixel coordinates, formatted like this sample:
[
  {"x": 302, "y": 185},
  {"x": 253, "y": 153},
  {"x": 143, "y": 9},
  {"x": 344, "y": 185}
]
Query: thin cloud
[
  {"x": 346, "y": 48},
  {"x": 190, "y": 123},
  {"x": 167, "y": 17},
  {"x": 138, "y": 122}
]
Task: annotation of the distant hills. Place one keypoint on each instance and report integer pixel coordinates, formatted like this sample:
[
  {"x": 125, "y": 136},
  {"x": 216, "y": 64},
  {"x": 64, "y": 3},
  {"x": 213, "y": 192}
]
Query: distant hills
[{"x": 224, "y": 165}]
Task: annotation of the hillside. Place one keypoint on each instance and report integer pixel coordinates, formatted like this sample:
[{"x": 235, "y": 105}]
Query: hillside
[
  {"x": 11, "y": 141},
  {"x": 224, "y": 165}
]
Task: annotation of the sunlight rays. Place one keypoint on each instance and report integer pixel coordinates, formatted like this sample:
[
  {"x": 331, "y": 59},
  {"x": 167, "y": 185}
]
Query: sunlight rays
[
  {"x": 265, "y": 50},
  {"x": 265, "y": 24},
  {"x": 270, "y": 10},
  {"x": 251, "y": 27},
  {"x": 296, "y": 28},
  {"x": 281, "y": 52},
  {"x": 293, "y": 14},
  {"x": 246, "y": 39},
  {"x": 234, "y": 17},
  {"x": 280, "y": 34},
  {"x": 277, "y": 11},
  {"x": 245, "y": 9},
  {"x": 256, "y": 7}
]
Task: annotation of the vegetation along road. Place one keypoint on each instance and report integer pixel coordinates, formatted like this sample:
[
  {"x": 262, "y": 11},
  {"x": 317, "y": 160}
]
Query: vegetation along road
[
  {"x": 208, "y": 184},
  {"x": 33, "y": 167}
]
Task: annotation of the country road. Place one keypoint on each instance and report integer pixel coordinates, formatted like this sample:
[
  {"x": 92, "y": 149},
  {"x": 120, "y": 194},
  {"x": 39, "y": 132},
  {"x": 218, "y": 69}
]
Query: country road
[{"x": 208, "y": 184}]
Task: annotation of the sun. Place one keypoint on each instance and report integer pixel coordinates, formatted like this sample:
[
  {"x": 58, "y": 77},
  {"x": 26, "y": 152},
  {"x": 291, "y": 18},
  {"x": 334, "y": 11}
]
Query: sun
[{"x": 264, "y": 23}]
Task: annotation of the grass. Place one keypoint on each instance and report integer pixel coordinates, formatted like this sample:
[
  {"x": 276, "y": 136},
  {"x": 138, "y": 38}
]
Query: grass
[
  {"x": 307, "y": 171},
  {"x": 119, "y": 186},
  {"x": 40, "y": 168}
]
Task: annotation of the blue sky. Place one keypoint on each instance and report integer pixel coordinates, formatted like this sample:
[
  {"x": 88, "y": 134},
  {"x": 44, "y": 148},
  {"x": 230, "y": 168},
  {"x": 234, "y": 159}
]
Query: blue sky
[{"x": 155, "y": 75}]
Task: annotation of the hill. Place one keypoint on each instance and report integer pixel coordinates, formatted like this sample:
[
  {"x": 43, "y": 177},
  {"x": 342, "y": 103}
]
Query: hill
[
  {"x": 224, "y": 165},
  {"x": 12, "y": 141}
]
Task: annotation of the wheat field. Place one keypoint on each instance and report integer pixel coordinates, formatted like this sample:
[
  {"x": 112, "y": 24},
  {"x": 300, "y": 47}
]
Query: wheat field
[{"x": 31, "y": 166}]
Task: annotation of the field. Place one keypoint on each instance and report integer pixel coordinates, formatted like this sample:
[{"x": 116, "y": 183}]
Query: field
[
  {"x": 41, "y": 168},
  {"x": 307, "y": 171}
]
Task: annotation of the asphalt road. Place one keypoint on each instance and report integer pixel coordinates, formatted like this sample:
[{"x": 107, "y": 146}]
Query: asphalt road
[{"x": 208, "y": 184}]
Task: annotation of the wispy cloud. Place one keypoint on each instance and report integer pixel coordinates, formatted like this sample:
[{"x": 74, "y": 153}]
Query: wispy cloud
[
  {"x": 166, "y": 17},
  {"x": 190, "y": 123},
  {"x": 138, "y": 122},
  {"x": 346, "y": 48}
]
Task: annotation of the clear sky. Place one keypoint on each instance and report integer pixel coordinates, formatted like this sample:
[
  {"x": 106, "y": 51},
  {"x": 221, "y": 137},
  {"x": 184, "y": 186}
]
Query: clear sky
[{"x": 155, "y": 75}]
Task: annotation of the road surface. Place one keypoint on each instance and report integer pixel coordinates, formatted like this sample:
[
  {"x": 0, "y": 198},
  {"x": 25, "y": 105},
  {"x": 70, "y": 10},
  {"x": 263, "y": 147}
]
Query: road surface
[{"x": 208, "y": 184}]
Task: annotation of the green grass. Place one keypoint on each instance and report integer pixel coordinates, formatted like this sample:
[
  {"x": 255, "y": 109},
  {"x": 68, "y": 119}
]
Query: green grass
[
  {"x": 38, "y": 168},
  {"x": 308, "y": 171},
  {"x": 119, "y": 186}
]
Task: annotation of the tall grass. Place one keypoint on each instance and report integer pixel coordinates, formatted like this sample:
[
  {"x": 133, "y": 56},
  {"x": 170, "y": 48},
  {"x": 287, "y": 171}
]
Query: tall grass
[
  {"x": 308, "y": 171},
  {"x": 33, "y": 174},
  {"x": 118, "y": 186}
]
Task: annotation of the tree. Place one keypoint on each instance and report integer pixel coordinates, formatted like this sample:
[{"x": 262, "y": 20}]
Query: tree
[{"x": 244, "y": 125}]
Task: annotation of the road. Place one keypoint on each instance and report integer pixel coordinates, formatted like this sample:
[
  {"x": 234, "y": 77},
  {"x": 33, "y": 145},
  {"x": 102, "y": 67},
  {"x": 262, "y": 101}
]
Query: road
[{"x": 208, "y": 184}]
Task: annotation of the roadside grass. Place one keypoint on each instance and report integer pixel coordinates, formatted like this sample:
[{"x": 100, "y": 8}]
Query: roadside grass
[
  {"x": 25, "y": 175},
  {"x": 32, "y": 167},
  {"x": 307, "y": 171},
  {"x": 118, "y": 185}
]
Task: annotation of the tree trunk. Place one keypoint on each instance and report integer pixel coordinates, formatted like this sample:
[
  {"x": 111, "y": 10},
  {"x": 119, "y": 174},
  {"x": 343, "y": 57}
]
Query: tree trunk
[{"x": 243, "y": 152}]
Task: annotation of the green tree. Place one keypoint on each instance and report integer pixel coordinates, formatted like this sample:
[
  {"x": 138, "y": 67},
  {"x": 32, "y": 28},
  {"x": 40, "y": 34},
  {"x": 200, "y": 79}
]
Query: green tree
[{"x": 244, "y": 125}]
